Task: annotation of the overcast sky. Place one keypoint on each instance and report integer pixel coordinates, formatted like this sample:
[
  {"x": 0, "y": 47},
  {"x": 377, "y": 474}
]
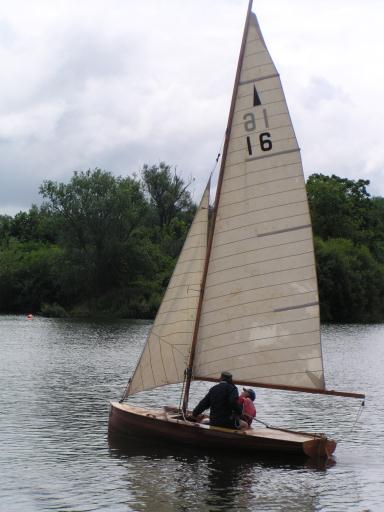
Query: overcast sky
[{"x": 119, "y": 83}]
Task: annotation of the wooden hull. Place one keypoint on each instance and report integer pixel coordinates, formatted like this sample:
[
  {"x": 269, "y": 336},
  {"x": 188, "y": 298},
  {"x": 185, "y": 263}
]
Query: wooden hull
[{"x": 164, "y": 424}]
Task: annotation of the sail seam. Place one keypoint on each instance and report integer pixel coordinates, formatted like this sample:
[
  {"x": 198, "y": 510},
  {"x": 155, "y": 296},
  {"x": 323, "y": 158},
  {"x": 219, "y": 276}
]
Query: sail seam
[
  {"x": 262, "y": 209},
  {"x": 286, "y": 230},
  {"x": 282, "y": 152},
  {"x": 261, "y": 248},
  {"x": 162, "y": 359},
  {"x": 258, "y": 185},
  {"x": 258, "y": 119},
  {"x": 260, "y": 70},
  {"x": 259, "y": 90},
  {"x": 183, "y": 285},
  {"x": 251, "y": 54},
  {"x": 265, "y": 105},
  {"x": 259, "y": 197},
  {"x": 175, "y": 322},
  {"x": 263, "y": 169},
  {"x": 294, "y": 167},
  {"x": 150, "y": 363},
  {"x": 281, "y": 283},
  {"x": 162, "y": 339},
  {"x": 261, "y": 183},
  {"x": 245, "y": 239},
  {"x": 261, "y": 261},
  {"x": 260, "y": 379},
  {"x": 255, "y": 314},
  {"x": 263, "y": 274},
  {"x": 275, "y": 154},
  {"x": 260, "y": 325},
  {"x": 299, "y": 306},
  {"x": 243, "y": 304},
  {"x": 262, "y": 339},
  {"x": 222, "y": 231},
  {"x": 251, "y": 80},
  {"x": 205, "y": 364},
  {"x": 259, "y": 300},
  {"x": 258, "y": 132},
  {"x": 187, "y": 273}
]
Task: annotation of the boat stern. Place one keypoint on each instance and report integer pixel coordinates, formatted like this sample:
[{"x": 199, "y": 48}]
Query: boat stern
[{"x": 319, "y": 447}]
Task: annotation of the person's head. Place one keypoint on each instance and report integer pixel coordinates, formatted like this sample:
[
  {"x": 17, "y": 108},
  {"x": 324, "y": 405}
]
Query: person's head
[
  {"x": 226, "y": 376},
  {"x": 248, "y": 392}
]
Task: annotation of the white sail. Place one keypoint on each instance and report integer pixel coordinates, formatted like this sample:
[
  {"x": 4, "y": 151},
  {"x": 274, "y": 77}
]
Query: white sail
[
  {"x": 165, "y": 355},
  {"x": 260, "y": 312}
]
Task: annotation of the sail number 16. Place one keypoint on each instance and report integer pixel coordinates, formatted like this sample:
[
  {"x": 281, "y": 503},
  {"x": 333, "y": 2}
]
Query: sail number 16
[
  {"x": 265, "y": 142},
  {"x": 264, "y": 137}
]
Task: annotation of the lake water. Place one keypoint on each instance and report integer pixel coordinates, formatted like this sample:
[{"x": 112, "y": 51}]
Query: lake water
[{"x": 56, "y": 377}]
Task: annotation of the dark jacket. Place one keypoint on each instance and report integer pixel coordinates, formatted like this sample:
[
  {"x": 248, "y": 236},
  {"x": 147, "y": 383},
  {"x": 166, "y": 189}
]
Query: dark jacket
[{"x": 222, "y": 399}]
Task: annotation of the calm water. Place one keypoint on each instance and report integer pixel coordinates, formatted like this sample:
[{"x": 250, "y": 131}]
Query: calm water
[{"x": 56, "y": 377}]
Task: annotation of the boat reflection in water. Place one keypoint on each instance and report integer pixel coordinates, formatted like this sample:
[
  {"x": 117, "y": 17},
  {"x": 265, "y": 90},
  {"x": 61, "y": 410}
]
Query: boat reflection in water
[{"x": 163, "y": 474}]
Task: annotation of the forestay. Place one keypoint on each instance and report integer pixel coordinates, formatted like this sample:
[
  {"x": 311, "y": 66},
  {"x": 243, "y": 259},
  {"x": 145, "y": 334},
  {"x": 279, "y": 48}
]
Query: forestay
[
  {"x": 165, "y": 355},
  {"x": 260, "y": 312}
]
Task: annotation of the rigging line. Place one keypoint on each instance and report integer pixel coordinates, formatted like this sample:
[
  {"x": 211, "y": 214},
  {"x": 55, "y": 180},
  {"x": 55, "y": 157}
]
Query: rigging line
[
  {"x": 359, "y": 412},
  {"x": 219, "y": 153},
  {"x": 286, "y": 429}
]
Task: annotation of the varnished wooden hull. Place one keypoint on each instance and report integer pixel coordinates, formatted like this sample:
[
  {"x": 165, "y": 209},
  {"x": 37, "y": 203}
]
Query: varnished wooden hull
[{"x": 127, "y": 419}]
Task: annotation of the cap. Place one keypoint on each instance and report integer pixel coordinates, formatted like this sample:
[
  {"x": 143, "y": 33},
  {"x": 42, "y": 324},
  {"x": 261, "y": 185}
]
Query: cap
[
  {"x": 251, "y": 393},
  {"x": 226, "y": 376}
]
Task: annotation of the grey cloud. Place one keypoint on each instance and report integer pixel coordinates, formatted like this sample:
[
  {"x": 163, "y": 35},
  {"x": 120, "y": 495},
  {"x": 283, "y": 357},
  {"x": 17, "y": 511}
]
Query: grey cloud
[{"x": 319, "y": 91}]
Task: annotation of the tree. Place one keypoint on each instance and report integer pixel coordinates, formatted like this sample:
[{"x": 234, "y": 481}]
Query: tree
[
  {"x": 340, "y": 208},
  {"x": 100, "y": 215},
  {"x": 167, "y": 191},
  {"x": 351, "y": 282}
]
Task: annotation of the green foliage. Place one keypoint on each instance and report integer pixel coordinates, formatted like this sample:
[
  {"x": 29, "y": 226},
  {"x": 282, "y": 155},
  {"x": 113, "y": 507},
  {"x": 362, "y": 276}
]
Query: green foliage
[
  {"x": 351, "y": 282},
  {"x": 107, "y": 245},
  {"x": 349, "y": 247},
  {"x": 28, "y": 275},
  {"x": 99, "y": 244},
  {"x": 167, "y": 191},
  {"x": 340, "y": 207}
]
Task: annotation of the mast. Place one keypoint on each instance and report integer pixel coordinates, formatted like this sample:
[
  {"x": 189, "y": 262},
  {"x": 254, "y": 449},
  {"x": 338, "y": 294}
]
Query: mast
[{"x": 189, "y": 369}]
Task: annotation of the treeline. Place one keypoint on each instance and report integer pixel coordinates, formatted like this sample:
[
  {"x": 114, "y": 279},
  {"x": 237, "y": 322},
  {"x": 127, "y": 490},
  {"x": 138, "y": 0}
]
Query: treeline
[
  {"x": 348, "y": 225},
  {"x": 100, "y": 244},
  {"x": 107, "y": 245}
]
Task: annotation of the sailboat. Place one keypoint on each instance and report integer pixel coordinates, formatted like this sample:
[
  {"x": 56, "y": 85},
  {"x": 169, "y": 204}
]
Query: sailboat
[{"x": 243, "y": 296}]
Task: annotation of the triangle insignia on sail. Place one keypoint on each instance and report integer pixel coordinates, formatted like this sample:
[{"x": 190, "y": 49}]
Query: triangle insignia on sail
[{"x": 256, "y": 97}]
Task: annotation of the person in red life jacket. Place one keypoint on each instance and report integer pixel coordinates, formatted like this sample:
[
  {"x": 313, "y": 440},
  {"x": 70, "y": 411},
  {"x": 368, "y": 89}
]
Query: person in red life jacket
[{"x": 246, "y": 400}]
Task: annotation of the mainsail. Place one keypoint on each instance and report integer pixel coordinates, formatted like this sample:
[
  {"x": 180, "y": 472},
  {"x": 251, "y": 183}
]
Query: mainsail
[
  {"x": 260, "y": 313},
  {"x": 245, "y": 298},
  {"x": 165, "y": 355}
]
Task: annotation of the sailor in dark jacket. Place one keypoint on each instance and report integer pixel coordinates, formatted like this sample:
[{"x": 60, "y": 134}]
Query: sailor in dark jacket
[{"x": 223, "y": 402}]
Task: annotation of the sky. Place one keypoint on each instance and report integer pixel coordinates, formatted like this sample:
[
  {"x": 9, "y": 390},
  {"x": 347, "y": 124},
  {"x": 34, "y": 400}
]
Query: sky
[{"x": 117, "y": 84}]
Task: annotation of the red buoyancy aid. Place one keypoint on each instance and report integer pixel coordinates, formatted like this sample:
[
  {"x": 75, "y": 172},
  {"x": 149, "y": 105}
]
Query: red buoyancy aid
[{"x": 249, "y": 410}]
